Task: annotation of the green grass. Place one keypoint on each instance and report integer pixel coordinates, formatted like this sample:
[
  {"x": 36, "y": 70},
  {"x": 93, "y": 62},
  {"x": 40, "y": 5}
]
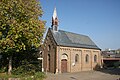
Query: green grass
[{"x": 36, "y": 76}]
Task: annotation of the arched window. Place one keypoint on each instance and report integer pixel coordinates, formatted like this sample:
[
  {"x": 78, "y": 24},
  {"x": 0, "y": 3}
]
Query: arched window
[
  {"x": 87, "y": 58},
  {"x": 64, "y": 56},
  {"x": 49, "y": 48},
  {"x": 95, "y": 58},
  {"x": 48, "y": 57},
  {"x": 76, "y": 58}
]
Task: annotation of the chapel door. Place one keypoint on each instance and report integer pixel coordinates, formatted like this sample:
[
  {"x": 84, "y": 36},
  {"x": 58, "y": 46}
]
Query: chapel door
[{"x": 63, "y": 65}]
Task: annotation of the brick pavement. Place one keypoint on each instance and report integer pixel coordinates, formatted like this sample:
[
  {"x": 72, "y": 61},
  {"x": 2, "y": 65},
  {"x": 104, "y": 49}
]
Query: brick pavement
[{"x": 86, "y": 75}]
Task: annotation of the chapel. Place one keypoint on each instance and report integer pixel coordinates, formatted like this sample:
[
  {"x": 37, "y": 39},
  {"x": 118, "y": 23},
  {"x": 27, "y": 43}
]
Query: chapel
[{"x": 65, "y": 51}]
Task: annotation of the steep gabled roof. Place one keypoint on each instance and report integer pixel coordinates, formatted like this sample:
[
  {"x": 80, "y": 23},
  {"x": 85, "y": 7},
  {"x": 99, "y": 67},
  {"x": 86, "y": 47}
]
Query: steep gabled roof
[{"x": 64, "y": 38}]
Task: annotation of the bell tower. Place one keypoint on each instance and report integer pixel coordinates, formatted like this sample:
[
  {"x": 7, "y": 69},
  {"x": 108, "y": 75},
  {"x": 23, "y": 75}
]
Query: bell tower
[{"x": 54, "y": 21}]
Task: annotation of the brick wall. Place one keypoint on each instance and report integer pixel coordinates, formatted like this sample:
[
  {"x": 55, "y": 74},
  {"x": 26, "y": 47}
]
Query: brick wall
[{"x": 52, "y": 57}]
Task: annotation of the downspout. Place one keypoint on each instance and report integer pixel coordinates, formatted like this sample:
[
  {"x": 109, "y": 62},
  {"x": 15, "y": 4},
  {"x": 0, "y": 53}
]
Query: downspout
[
  {"x": 81, "y": 59},
  {"x": 70, "y": 60},
  {"x": 91, "y": 60}
]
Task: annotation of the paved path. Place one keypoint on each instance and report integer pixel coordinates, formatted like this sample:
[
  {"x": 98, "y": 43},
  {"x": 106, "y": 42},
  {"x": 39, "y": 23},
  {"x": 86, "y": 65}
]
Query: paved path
[{"x": 86, "y": 75}]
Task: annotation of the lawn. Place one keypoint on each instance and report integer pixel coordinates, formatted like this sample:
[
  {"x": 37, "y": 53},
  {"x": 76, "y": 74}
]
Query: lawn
[{"x": 36, "y": 76}]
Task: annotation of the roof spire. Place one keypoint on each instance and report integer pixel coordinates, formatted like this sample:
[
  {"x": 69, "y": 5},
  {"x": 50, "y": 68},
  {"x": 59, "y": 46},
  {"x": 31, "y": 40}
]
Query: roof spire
[
  {"x": 54, "y": 13},
  {"x": 55, "y": 20}
]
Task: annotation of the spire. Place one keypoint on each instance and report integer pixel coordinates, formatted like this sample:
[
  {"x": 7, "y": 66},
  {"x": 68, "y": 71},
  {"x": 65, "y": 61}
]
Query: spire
[
  {"x": 54, "y": 13},
  {"x": 54, "y": 20}
]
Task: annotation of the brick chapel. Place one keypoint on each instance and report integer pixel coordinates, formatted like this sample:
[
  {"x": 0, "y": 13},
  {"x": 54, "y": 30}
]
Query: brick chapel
[{"x": 68, "y": 52}]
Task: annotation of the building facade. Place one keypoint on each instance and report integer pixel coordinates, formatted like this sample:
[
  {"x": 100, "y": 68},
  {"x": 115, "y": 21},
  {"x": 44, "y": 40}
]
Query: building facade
[{"x": 68, "y": 52}]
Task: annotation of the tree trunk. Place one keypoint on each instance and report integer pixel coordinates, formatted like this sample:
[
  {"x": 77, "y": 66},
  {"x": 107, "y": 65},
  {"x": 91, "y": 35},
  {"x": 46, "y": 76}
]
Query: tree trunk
[{"x": 10, "y": 65}]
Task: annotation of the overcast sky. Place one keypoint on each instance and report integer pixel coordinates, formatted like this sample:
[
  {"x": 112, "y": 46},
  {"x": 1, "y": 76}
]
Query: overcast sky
[{"x": 98, "y": 19}]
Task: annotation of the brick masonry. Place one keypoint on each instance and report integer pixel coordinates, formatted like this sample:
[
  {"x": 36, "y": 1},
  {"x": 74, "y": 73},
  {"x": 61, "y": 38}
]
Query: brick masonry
[{"x": 53, "y": 54}]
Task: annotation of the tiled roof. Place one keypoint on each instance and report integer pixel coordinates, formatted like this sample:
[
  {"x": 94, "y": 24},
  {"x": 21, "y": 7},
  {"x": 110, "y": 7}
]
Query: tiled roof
[{"x": 65, "y": 38}]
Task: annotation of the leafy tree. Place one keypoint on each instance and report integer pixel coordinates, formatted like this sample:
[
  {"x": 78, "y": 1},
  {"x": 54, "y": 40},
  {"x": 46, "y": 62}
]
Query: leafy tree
[{"x": 20, "y": 26}]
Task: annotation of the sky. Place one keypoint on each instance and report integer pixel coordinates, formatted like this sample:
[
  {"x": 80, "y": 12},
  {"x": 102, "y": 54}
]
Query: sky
[{"x": 98, "y": 19}]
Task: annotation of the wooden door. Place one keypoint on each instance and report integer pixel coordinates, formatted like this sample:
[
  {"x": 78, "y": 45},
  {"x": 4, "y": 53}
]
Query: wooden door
[{"x": 63, "y": 65}]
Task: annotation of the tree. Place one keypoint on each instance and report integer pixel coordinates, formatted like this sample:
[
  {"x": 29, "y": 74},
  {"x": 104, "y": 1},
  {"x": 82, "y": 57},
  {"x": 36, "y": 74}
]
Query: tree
[{"x": 20, "y": 26}]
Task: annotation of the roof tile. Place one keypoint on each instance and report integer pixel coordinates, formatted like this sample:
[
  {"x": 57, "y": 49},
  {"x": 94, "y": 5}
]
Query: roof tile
[{"x": 65, "y": 38}]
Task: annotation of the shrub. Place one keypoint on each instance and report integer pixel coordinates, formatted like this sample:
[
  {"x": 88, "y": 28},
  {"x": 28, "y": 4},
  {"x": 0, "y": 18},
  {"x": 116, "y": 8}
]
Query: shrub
[
  {"x": 39, "y": 75},
  {"x": 116, "y": 64},
  {"x": 27, "y": 68},
  {"x": 3, "y": 69}
]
